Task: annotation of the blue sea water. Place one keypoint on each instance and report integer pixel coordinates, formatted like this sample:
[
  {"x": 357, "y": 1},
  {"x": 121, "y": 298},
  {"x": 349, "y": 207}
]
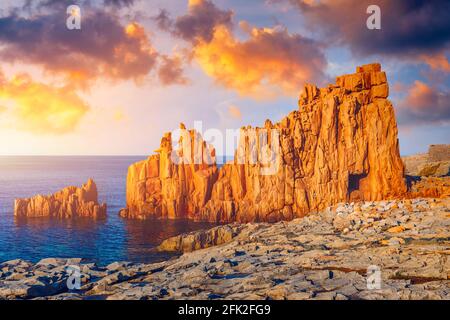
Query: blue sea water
[{"x": 105, "y": 241}]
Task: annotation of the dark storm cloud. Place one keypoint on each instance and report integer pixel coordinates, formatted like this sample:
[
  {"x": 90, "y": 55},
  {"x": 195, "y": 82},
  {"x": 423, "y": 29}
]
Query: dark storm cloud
[
  {"x": 62, "y": 4},
  {"x": 103, "y": 47},
  {"x": 199, "y": 23},
  {"x": 408, "y": 27},
  {"x": 119, "y": 3}
]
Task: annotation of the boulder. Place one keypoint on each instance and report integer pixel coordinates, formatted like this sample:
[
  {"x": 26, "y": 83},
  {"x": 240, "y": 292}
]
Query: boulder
[{"x": 199, "y": 239}]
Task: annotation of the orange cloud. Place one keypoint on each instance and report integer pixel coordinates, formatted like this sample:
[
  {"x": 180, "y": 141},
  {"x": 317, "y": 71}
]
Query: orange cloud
[
  {"x": 437, "y": 62},
  {"x": 271, "y": 62},
  {"x": 171, "y": 70},
  {"x": 424, "y": 104},
  {"x": 133, "y": 58},
  {"x": 40, "y": 108},
  {"x": 235, "y": 112},
  {"x": 104, "y": 48}
]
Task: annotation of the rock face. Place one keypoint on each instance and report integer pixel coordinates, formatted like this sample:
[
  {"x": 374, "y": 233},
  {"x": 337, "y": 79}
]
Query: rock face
[
  {"x": 435, "y": 163},
  {"x": 67, "y": 203},
  {"x": 159, "y": 187},
  {"x": 340, "y": 145},
  {"x": 434, "y": 187}
]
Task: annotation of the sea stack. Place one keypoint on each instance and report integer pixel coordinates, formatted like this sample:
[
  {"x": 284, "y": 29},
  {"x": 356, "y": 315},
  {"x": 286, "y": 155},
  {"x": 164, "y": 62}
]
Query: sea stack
[
  {"x": 340, "y": 145},
  {"x": 66, "y": 203}
]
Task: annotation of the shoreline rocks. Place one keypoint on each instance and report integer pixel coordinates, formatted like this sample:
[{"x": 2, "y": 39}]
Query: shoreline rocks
[
  {"x": 188, "y": 242},
  {"x": 66, "y": 203},
  {"x": 340, "y": 145},
  {"x": 326, "y": 256}
]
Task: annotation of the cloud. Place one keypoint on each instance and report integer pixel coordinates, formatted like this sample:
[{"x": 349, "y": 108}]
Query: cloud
[
  {"x": 171, "y": 71},
  {"x": 63, "y": 4},
  {"x": 201, "y": 21},
  {"x": 424, "y": 104},
  {"x": 102, "y": 48},
  {"x": 271, "y": 62},
  {"x": 408, "y": 28},
  {"x": 119, "y": 3},
  {"x": 235, "y": 112},
  {"x": 437, "y": 62},
  {"x": 40, "y": 108},
  {"x": 163, "y": 20}
]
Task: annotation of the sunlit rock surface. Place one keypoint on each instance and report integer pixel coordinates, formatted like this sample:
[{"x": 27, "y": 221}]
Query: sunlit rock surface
[
  {"x": 430, "y": 187},
  {"x": 340, "y": 145},
  {"x": 69, "y": 202}
]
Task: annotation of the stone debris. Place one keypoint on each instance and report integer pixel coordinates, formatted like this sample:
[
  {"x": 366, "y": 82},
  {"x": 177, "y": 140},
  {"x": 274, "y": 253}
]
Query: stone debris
[
  {"x": 325, "y": 255},
  {"x": 432, "y": 187}
]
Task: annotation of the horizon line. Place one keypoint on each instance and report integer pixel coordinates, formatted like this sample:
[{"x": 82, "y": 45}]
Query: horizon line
[{"x": 85, "y": 155}]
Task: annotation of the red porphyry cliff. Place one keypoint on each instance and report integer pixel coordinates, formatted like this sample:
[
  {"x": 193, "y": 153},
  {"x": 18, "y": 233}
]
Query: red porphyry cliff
[
  {"x": 66, "y": 203},
  {"x": 340, "y": 145}
]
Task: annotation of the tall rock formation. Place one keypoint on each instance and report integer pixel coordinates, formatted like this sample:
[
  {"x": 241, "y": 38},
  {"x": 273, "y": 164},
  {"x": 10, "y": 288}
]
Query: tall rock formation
[
  {"x": 159, "y": 187},
  {"x": 67, "y": 203},
  {"x": 340, "y": 145}
]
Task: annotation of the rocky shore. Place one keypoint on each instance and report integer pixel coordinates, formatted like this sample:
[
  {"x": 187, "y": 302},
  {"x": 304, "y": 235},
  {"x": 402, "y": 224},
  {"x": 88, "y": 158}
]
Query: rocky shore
[{"x": 324, "y": 255}]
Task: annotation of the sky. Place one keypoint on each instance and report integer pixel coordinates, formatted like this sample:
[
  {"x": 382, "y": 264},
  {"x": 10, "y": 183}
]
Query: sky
[{"x": 136, "y": 69}]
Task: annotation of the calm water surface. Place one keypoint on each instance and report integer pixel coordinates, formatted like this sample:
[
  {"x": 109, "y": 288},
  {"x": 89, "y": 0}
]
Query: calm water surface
[{"x": 113, "y": 239}]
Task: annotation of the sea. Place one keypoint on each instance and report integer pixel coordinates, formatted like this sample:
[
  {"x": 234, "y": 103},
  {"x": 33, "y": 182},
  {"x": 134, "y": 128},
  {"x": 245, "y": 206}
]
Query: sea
[{"x": 100, "y": 241}]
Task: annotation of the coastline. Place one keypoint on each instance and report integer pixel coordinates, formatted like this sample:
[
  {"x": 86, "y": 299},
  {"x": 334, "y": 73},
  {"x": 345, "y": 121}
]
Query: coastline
[{"x": 324, "y": 255}]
